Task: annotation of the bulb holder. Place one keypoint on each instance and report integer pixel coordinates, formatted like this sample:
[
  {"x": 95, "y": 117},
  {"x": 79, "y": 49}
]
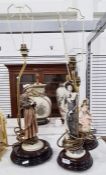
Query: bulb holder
[{"x": 24, "y": 50}]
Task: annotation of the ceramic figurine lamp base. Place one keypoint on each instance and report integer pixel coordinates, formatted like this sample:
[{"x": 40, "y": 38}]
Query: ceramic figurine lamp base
[
  {"x": 75, "y": 164},
  {"x": 24, "y": 156}
]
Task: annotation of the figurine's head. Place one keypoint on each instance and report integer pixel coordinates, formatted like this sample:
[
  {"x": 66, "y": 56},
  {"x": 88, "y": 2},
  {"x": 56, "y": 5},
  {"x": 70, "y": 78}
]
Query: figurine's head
[
  {"x": 69, "y": 86},
  {"x": 85, "y": 105},
  {"x": 85, "y": 102}
]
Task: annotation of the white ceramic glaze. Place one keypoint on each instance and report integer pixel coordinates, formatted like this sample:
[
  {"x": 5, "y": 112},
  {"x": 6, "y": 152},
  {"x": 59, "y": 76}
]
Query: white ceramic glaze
[
  {"x": 43, "y": 106},
  {"x": 75, "y": 154},
  {"x": 43, "y": 103},
  {"x": 34, "y": 147}
]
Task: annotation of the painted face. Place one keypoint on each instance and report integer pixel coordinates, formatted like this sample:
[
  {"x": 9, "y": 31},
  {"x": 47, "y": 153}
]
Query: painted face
[
  {"x": 69, "y": 88},
  {"x": 85, "y": 108}
]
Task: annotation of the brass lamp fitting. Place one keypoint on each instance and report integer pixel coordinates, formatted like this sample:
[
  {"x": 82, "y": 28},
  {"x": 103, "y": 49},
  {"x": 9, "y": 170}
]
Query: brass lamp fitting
[{"x": 24, "y": 51}]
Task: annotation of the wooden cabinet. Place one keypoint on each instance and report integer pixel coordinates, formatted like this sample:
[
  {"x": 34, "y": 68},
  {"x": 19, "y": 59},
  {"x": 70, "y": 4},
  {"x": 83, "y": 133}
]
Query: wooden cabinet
[{"x": 50, "y": 74}]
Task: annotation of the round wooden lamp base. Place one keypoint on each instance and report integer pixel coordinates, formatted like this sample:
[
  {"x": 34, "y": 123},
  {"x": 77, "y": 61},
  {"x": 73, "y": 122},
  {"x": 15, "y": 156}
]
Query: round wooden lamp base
[
  {"x": 90, "y": 144},
  {"x": 75, "y": 164},
  {"x": 30, "y": 158}
]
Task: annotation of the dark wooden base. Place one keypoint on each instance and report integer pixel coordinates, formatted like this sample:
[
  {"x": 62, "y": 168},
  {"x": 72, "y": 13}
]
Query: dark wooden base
[
  {"x": 42, "y": 121},
  {"x": 90, "y": 144},
  {"x": 30, "y": 158},
  {"x": 79, "y": 164}
]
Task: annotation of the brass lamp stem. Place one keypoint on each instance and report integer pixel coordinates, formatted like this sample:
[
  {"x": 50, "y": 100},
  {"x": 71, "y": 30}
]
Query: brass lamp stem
[{"x": 24, "y": 51}]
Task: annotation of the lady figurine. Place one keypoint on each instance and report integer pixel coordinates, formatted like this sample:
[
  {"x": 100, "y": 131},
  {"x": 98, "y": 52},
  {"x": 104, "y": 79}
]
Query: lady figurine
[
  {"x": 90, "y": 141},
  {"x": 30, "y": 121},
  {"x": 84, "y": 117},
  {"x": 72, "y": 109}
]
